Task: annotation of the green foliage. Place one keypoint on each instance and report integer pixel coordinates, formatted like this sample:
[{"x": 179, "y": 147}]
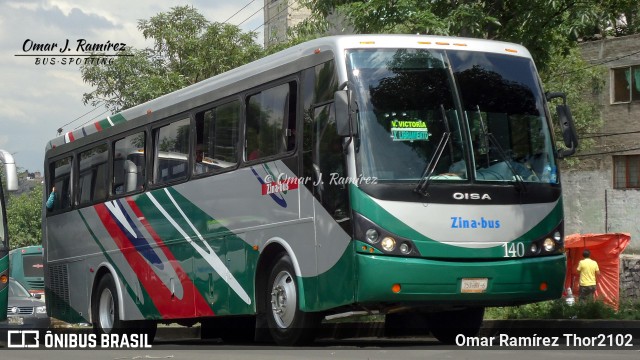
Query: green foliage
[
  {"x": 24, "y": 217},
  {"x": 559, "y": 309},
  {"x": 544, "y": 27},
  {"x": 549, "y": 29},
  {"x": 186, "y": 49}
]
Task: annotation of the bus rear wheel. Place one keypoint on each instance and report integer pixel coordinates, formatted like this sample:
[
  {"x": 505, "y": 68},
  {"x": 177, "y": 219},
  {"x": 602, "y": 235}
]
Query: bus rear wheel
[
  {"x": 104, "y": 309},
  {"x": 288, "y": 325},
  {"x": 446, "y": 325}
]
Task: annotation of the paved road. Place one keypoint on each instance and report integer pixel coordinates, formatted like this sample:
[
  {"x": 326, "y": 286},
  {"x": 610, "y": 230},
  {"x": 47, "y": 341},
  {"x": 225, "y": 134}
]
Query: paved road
[{"x": 182, "y": 343}]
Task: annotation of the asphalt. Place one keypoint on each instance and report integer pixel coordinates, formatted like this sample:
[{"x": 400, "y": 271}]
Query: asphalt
[{"x": 523, "y": 328}]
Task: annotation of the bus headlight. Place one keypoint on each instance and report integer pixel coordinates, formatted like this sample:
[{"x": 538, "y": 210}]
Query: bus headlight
[
  {"x": 405, "y": 248},
  {"x": 388, "y": 244},
  {"x": 557, "y": 236},
  {"x": 549, "y": 245},
  {"x": 372, "y": 236}
]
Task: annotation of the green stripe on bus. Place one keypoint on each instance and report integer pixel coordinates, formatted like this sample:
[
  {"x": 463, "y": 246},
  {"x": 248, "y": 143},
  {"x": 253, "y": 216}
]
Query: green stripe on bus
[
  {"x": 146, "y": 307},
  {"x": 365, "y": 205}
]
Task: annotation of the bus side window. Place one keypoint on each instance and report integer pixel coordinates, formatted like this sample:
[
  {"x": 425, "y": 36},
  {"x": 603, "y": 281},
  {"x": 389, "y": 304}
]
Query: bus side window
[
  {"x": 92, "y": 184},
  {"x": 217, "y": 138},
  {"x": 171, "y": 151},
  {"x": 61, "y": 174},
  {"x": 270, "y": 128},
  {"x": 129, "y": 164}
]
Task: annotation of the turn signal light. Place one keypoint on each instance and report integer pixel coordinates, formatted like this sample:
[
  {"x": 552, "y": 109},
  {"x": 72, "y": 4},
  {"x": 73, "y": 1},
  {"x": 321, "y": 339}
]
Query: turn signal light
[
  {"x": 4, "y": 279},
  {"x": 543, "y": 286}
]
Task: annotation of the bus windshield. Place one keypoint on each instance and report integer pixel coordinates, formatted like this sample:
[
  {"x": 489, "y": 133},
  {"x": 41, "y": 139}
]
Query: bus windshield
[{"x": 473, "y": 115}]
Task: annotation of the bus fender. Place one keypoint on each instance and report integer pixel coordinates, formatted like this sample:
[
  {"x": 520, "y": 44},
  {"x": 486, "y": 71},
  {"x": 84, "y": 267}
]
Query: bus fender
[
  {"x": 289, "y": 250},
  {"x": 97, "y": 278}
]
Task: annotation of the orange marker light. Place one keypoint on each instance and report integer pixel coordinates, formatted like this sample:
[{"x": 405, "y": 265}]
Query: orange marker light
[
  {"x": 396, "y": 288},
  {"x": 543, "y": 286},
  {"x": 4, "y": 279},
  {"x": 256, "y": 247},
  {"x": 511, "y": 51},
  {"x": 316, "y": 51}
]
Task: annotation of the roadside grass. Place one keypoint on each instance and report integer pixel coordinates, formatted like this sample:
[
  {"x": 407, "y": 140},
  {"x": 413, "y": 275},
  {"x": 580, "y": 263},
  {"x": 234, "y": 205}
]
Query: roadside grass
[{"x": 559, "y": 309}]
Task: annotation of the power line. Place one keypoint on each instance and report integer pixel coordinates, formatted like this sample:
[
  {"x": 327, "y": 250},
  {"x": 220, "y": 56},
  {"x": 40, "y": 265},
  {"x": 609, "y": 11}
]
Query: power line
[
  {"x": 606, "y": 152},
  {"x": 252, "y": 15},
  {"x": 599, "y": 63},
  {"x": 60, "y": 129},
  {"x": 79, "y": 117},
  {"x": 590, "y": 136},
  {"x": 244, "y": 7},
  {"x": 276, "y": 15},
  {"x": 104, "y": 112}
]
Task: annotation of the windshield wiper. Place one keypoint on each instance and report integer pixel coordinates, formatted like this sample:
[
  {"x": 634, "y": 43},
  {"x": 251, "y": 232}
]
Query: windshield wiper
[
  {"x": 425, "y": 180},
  {"x": 492, "y": 139}
]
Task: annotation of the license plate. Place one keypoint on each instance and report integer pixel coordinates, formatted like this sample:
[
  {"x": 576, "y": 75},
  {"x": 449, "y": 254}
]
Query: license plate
[
  {"x": 474, "y": 285},
  {"x": 15, "y": 320}
]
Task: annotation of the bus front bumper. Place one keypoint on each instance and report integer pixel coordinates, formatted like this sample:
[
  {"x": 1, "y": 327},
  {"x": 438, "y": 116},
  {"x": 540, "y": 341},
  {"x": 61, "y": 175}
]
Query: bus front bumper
[{"x": 417, "y": 281}]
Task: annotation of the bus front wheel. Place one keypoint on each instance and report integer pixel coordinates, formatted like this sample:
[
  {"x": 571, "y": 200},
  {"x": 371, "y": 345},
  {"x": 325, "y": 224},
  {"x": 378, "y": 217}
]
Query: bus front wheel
[
  {"x": 288, "y": 325},
  {"x": 104, "y": 307}
]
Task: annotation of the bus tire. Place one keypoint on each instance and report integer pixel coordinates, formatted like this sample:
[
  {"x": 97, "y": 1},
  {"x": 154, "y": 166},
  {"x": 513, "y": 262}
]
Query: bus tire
[
  {"x": 104, "y": 307},
  {"x": 446, "y": 325},
  {"x": 288, "y": 325}
]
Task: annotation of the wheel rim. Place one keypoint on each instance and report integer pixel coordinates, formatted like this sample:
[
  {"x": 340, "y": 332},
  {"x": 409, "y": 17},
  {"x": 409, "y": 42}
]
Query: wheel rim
[
  {"x": 284, "y": 301},
  {"x": 106, "y": 310}
]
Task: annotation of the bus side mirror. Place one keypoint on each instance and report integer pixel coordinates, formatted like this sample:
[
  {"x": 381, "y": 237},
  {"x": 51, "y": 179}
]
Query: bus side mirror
[
  {"x": 345, "y": 113},
  {"x": 569, "y": 134}
]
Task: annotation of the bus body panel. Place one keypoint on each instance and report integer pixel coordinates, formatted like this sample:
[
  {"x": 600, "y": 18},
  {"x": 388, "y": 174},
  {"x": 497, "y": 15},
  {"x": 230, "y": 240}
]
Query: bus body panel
[
  {"x": 179, "y": 254},
  {"x": 193, "y": 248}
]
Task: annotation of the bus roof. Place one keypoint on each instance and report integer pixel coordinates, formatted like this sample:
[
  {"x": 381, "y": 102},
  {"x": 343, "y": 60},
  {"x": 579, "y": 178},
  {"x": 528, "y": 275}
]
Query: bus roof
[{"x": 194, "y": 95}]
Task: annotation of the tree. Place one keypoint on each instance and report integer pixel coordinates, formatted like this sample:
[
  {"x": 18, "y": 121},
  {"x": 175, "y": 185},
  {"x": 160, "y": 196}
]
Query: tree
[
  {"x": 187, "y": 48},
  {"x": 550, "y": 29},
  {"x": 24, "y": 218},
  {"x": 541, "y": 26}
]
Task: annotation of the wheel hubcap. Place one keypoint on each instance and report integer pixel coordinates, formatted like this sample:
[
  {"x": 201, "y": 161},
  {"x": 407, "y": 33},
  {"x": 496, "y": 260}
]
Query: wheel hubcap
[
  {"x": 106, "y": 310},
  {"x": 284, "y": 299}
]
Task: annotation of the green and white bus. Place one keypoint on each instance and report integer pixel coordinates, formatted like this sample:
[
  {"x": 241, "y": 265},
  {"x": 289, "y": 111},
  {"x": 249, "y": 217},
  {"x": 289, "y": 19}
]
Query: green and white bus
[
  {"x": 25, "y": 266},
  {"x": 11, "y": 178},
  {"x": 406, "y": 175}
]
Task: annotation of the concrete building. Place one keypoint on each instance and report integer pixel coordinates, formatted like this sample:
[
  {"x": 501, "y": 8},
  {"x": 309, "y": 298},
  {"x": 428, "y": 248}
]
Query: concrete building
[
  {"x": 279, "y": 15},
  {"x": 604, "y": 194}
]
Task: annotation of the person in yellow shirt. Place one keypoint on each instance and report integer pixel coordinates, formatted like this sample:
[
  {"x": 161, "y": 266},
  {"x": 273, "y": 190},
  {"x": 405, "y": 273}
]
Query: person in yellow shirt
[{"x": 589, "y": 272}]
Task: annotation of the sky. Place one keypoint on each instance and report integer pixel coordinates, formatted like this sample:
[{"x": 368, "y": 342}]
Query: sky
[{"x": 35, "y": 99}]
